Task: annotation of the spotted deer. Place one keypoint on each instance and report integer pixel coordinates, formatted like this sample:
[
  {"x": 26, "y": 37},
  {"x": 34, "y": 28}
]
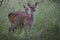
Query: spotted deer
[{"x": 21, "y": 18}]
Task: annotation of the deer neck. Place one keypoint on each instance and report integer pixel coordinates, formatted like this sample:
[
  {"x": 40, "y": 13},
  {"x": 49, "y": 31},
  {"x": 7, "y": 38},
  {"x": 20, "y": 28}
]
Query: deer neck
[{"x": 32, "y": 16}]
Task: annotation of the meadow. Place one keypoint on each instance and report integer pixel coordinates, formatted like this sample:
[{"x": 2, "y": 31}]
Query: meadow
[{"x": 47, "y": 20}]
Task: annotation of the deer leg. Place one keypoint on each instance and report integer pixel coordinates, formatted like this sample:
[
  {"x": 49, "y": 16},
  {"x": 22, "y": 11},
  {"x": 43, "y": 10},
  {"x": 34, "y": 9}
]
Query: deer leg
[
  {"x": 29, "y": 31},
  {"x": 30, "y": 26},
  {"x": 12, "y": 27}
]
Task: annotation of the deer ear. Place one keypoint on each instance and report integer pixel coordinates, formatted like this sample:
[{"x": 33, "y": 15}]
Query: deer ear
[
  {"x": 36, "y": 3},
  {"x": 24, "y": 6},
  {"x": 28, "y": 4}
]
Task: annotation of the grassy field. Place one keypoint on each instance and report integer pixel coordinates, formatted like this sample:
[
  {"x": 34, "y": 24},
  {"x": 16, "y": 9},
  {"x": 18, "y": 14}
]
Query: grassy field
[{"x": 47, "y": 20}]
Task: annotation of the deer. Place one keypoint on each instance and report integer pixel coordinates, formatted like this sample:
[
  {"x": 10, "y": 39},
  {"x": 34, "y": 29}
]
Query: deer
[{"x": 24, "y": 19}]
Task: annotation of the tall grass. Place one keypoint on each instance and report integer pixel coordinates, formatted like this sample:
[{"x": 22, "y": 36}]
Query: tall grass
[{"x": 47, "y": 20}]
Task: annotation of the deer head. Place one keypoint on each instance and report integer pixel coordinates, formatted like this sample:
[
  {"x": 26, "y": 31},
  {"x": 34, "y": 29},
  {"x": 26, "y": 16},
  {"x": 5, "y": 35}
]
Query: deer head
[
  {"x": 32, "y": 6},
  {"x": 27, "y": 9}
]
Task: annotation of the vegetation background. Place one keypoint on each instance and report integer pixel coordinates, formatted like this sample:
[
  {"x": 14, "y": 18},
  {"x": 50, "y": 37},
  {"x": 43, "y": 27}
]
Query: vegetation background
[{"x": 47, "y": 20}]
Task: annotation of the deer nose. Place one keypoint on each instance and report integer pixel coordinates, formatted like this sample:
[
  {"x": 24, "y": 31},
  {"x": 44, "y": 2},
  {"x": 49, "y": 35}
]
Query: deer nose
[{"x": 33, "y": 10}]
